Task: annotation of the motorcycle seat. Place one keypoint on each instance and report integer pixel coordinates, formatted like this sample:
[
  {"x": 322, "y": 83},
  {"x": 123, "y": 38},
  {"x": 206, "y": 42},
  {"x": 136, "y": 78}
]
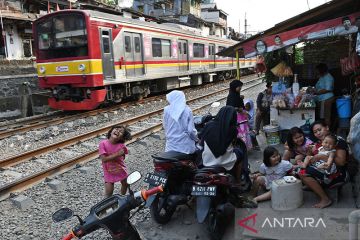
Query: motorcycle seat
[
  {"x": 212, "y": 169},
  {"x": 171, "y": 156}
]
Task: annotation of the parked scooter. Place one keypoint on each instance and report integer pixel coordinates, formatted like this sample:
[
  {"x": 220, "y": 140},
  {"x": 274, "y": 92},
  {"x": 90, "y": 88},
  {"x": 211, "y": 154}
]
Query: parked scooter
[
  {"x": 112, "y": 213},
  {"x": 175, "y": 171},
  {"x": 211, "y": 188},
  {"x": 215, "y": 197}
]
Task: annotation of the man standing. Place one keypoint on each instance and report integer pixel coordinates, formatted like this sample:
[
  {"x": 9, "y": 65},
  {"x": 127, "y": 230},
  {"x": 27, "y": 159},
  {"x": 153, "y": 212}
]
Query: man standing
[{"x": 263, "y": 103}]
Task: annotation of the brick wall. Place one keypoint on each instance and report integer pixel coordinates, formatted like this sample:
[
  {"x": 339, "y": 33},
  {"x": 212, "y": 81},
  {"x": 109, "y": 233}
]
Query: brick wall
[{"x": 328, "y": 51}]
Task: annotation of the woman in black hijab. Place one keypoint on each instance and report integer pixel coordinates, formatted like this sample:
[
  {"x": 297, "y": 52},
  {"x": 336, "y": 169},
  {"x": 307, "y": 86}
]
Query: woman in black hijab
[
  {"x": 234, "y": 99},
  {"x": 218, "y": 136}
]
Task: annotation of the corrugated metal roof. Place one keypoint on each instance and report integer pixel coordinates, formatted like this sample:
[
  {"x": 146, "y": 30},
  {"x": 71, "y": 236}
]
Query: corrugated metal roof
[{"x": 18, "y": 16}]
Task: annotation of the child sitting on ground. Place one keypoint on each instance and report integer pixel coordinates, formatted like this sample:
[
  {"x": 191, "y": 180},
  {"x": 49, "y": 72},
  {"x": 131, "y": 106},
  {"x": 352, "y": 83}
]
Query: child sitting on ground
[
  {"x": 328, "y": 149},
  {"x": 297, "y": 146},
  {"x": 271, "y": 169}
]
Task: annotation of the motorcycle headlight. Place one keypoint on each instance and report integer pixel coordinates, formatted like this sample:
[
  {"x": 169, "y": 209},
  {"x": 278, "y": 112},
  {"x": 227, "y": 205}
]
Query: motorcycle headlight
[
  {"x": 42, "y": 69},
  {"x": 82, "y": 67}
]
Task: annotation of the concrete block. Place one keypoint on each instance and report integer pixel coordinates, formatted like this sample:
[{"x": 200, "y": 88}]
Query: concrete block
[
  {"x": 286, "y": 196},
  {"x": 67, "y": 153},
  {"x": 12, "y": 174},
  {"x": 41, "y": 161},
  {"x": 22, "y": 202},
  {"x": 56, "y": 185},
  {"x": 86, "y": 170},
  {"x": 89, "y": 145}
]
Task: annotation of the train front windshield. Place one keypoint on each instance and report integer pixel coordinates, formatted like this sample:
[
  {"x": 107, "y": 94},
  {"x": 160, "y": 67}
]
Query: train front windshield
[{"x": 62, "y": 36}]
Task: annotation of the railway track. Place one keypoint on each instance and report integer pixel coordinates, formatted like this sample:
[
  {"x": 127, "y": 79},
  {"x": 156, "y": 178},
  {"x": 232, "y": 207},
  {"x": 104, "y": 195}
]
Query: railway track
[
  {"x": 38, "y": 122},
  {"x": 141, "y": 126}
]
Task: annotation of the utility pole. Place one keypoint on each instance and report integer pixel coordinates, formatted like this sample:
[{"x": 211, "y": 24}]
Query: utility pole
[
  {"x": 245, "y": 26},
  {"x": 239, "y": 27}
]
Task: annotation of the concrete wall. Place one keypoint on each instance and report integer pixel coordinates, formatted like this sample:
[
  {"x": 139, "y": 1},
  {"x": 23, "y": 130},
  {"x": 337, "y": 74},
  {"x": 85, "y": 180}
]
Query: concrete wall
[
  {"x": 13, "y": 42},
  {"x": 12, "y": 76}
]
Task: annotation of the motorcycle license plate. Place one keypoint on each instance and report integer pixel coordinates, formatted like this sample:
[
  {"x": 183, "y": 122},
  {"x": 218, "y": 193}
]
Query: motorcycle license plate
[
  {"x": 155, "y": 179},
  {"x": 203, "y": 190}
]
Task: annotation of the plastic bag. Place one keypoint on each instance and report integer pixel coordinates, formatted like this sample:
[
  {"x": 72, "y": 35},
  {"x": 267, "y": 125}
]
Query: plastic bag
[{"x": 306, "y": 128}]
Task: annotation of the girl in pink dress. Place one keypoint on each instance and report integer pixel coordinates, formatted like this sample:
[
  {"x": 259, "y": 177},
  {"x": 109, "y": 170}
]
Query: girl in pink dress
[
  {"x": 243, "y": 128},
  {"x": 112, "y": 153}
]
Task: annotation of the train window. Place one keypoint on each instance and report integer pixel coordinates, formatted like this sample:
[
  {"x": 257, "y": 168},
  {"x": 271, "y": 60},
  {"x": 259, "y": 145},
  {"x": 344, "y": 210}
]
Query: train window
[
  {"x": 185, "y": 48},
  {"x": 156, "y": 47},
  {"x": 198, "y": 50},
  {"x": 106, "y": 44},
  {"x": 63, "y": 35},
  {"x": 137, "y": 44},
  {"x": 179, "y": 48},
  {"x": 165, "y": 48},
  {"x": 161, "y": 47},
  {"x": 127, "y": 44}
]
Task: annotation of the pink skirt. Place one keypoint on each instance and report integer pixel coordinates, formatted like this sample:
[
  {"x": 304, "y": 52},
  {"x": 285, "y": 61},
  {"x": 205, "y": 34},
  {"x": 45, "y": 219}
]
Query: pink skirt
[{"x": 115, "y": 177}]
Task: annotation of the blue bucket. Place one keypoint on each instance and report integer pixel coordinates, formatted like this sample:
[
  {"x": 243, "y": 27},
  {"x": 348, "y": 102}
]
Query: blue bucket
[{"x": 343, "y": 106}]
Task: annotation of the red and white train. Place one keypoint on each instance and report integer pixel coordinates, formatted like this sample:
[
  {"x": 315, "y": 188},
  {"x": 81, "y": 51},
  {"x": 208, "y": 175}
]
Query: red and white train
[{"x": 89, "y": 57}]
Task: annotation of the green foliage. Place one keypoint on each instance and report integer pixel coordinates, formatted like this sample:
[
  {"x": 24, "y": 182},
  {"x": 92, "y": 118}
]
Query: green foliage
[
  {"x": 271, "y": 60},
  {"x": 299, "y": 55}
]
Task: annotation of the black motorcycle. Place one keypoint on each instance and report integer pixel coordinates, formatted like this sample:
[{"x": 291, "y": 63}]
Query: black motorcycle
[
  {"x": 216, "y": 198},
  {"x": 112, "y": 213},
  {"x": 175, "y": 171}
]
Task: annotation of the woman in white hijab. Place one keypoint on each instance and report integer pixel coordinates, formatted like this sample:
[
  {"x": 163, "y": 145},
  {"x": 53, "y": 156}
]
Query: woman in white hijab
[{"x": 178, "y": 122}]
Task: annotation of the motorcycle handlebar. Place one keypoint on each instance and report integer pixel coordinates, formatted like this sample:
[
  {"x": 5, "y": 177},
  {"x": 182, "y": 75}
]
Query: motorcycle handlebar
[
  {"x": 68, "y": 236},
  {"x": 152, "y": 191}
]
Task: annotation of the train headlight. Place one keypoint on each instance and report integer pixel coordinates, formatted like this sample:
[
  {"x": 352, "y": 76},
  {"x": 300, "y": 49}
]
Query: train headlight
[
  {"x": 82, "y": 67},
  {"x": 42, "y": 69}
]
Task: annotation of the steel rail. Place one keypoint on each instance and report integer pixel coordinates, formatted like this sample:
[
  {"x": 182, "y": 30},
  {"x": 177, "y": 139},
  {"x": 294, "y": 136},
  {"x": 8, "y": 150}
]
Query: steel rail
[
  {"x": 30, "y": 180},
  {"x": 36, "y": 122},
  {"x": 22, "y": 157}
]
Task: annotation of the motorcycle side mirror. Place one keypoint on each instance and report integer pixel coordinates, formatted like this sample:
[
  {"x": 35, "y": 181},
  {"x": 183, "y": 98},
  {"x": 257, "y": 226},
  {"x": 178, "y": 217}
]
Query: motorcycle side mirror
[
  {"x": 62, "y": 214},
  {"x": 214, "y": 105},
  {"x": 133, "y": 177}
]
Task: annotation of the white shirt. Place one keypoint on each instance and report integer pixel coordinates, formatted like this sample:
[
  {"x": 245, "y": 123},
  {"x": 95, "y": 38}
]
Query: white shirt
[
  {"x": 180, "y": 135},
  {"x": 276, "y": 172},
  {"x": 227, "y": 160}
]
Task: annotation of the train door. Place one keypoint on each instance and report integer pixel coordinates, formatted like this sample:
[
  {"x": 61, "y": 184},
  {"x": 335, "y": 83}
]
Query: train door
[
  {"x": 133, "y": 54},
  {"x": 211, "y": 55},
  {"x": 183, "y": 55},
  {"x": 107, "y": 54}
]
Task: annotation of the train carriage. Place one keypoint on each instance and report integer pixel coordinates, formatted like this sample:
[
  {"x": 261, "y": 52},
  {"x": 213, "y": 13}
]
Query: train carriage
[{"x": 88, "y": 57}]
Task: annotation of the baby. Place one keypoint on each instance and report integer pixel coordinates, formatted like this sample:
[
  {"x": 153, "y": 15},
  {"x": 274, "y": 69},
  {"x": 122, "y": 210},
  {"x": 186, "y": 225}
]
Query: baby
[{"x": 328, "y": 149}]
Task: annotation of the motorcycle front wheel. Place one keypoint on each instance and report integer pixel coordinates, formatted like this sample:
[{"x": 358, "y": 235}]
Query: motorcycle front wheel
[{"x": 160, "y": 211}]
